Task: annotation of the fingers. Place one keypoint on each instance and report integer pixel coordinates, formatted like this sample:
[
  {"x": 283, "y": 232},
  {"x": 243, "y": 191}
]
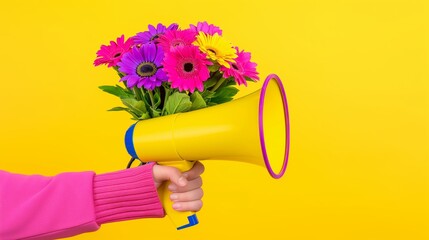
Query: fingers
[
  {"x": 189, "y": 196},
  {"x": 195, "y": 171},
  {"x": 186, "y": 192},
  {"x": 164, "y": 173},
  {"x": 191, "y": 185},
  {"x": 194, "y": 206}
]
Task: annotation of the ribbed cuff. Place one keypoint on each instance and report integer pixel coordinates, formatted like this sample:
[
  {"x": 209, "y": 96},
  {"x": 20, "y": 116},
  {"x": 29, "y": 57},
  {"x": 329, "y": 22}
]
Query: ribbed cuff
[{"x": 125, "y": 195}]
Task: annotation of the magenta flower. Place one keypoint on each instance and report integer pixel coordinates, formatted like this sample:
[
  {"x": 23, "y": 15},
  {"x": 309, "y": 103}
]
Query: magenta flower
[
  {"x": 241, "y": 69},
  {"x": 153, "y": 34},
  {"x": 174, "y": 38},
  {"x": 206, "y": 28},
  {"x": 113, "y": 53},
  {"x": 186, "y": 68},
  {"x": 142, "y": 67}
]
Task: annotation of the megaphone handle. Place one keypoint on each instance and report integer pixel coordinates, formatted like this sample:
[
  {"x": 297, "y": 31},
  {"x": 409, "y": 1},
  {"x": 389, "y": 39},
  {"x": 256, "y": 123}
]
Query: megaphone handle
[{"x": 181, "y": 220}]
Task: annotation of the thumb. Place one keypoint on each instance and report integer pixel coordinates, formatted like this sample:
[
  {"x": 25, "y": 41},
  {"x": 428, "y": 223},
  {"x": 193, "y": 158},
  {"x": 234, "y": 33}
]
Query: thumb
[{"x": 164, "y": 173}]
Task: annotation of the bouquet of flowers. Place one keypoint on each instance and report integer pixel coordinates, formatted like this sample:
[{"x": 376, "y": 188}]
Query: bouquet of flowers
[{"x": 168, "y": 70}]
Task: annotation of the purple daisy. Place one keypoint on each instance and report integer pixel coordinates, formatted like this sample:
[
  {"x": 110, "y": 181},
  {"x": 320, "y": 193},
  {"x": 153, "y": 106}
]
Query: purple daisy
[
  {"x": 206, "y": 28},
  {"x": 142, "y": 67},
  {"x": 153, "y": 34}
]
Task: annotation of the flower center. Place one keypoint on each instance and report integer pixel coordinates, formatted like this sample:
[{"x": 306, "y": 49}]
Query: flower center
[
  {"x": 117, "y": 55},
  {"x": 177, "y": 43},
  {"x": 146, "y": 69},
  {"x": 154, "y": 37},
  {"x": 235, "y": 66},
  {"x": 188, "y": 67}
]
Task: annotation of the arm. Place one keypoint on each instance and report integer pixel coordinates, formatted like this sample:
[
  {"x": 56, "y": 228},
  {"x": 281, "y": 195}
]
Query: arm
[{"x": 38, "y": 207}]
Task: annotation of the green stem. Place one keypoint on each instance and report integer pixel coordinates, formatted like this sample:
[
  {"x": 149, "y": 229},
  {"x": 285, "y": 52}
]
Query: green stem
[
  {"x": 116, "y": 68},
  {"x": 151, "y": 98},
  {"x": 137, "y": 93},
  {"x": 221, "y": 80},
  {"x": 117, "y": 71},
  {"x": 167, "y": 94},
  {"x": 142, "y": 93}
]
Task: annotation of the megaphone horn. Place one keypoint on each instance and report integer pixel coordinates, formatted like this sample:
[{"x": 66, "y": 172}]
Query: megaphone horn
[{"x": 252, "y": 129}]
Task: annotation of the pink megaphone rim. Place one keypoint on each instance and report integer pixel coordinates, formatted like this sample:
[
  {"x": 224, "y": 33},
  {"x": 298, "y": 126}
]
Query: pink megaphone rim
[{"x": 261, "y": 126}]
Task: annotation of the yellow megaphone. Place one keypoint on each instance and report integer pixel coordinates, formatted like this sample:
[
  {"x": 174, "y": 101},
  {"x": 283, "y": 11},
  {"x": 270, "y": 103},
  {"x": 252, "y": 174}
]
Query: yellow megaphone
[{"x": 253, "y": 129}]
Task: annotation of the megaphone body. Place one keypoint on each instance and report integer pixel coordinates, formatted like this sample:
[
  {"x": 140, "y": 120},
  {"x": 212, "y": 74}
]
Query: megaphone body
[{"x": 252, "y": 129}]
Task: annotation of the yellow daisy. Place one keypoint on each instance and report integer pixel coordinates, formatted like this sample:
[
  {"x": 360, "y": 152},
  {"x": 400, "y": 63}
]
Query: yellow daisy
[{"x": 216, "y": 48}]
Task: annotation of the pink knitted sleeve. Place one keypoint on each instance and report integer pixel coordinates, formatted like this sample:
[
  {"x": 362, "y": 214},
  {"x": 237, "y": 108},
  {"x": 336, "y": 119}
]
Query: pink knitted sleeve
[
  {"x": 38, "y": 207},
  {"x": 126, "y": 194}
]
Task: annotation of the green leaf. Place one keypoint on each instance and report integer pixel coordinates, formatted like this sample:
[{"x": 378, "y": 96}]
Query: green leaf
[
  {"x": 230, "y": 82},
  {"x": 208, "y": 94},
  {"x": 178, "y": 102},
  {"x": 213, "y": 68},
  {"x": 224, "y": 94},
  {"x": 209, "y": 104},
  {"x": 115, "y": 109},
  {"x": 138, "y": 107},
  {"x": 155, "y": 112},
  {"x": 116, "y": 91},
  {"x": 197, "y": 101},
  {"x": 144, "y": 116},
  {"x": 128, "y": 91},
  {"x": 210, "y": 83},
  {"x": 135, "y": 116}
]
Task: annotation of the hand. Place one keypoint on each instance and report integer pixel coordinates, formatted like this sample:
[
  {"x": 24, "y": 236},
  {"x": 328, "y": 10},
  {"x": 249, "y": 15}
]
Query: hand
[{"x": 185, "y": 187}]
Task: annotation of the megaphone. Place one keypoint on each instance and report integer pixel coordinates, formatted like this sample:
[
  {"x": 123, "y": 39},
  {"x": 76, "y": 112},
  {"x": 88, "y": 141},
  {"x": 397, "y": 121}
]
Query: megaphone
[{"x": 252, "y": 129}]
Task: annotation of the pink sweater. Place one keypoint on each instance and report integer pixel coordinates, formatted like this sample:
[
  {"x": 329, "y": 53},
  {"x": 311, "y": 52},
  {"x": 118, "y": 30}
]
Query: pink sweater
[{"x": 38, "y": 207}]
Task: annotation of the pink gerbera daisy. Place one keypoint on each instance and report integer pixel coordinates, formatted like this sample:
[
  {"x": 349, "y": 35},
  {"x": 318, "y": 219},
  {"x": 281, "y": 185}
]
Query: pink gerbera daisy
[
  {"x": 112, "y": 53},
  {"x": 206, "y": 28},
  {"x": 186, "y": 68},
  {"x": 242, "y": 68},
  {"x": 174, "y": 38}
]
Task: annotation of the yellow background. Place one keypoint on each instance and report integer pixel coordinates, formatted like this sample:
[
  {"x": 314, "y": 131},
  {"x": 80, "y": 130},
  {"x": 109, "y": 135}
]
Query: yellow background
[{"x": 356, "y": 75}]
